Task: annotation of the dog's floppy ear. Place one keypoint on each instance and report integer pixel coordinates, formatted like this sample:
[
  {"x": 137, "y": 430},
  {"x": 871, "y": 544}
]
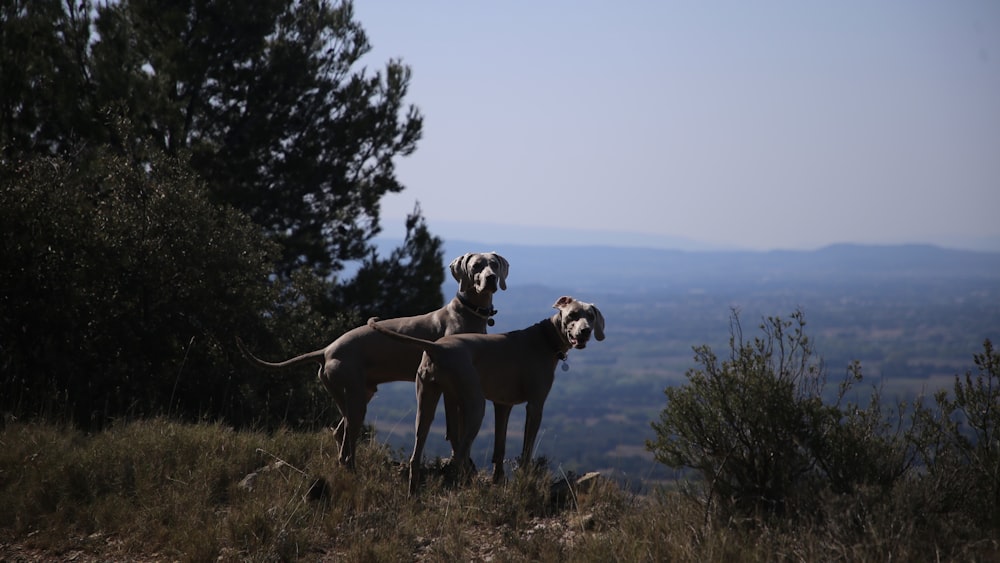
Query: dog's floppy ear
[
  {"x": 457, "y": 268},
  {"x": 504, "y": 270},
  {"x": 562, "y": 302},
  {"x": 598, "y": 323},
  {"x": 460, "y": 271}
]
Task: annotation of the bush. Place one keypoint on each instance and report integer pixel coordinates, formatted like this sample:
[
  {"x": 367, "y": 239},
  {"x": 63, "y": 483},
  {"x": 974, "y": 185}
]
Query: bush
[
  {"x": 959, "y": 443},
  {"x": 759, "y": 433},
  {"x": 122, "y": 289}
]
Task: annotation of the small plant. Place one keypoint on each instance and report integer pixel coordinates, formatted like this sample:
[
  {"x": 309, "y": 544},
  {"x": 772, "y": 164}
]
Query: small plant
[{"x": 960, "y": 444}]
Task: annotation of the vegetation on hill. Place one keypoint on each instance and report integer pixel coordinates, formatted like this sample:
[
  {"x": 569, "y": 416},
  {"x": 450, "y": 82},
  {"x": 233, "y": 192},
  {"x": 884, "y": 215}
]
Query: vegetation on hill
[{"x": 779, "y": 475}]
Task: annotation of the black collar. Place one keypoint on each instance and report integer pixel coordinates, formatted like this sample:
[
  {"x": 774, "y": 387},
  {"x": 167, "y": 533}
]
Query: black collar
[
  {"x": 554, "y": 338},
  {"x": 481, "y": 312}
]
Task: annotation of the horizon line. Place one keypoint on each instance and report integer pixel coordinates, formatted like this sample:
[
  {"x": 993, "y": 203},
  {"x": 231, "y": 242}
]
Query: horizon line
[{"x": 548, "y": 236}]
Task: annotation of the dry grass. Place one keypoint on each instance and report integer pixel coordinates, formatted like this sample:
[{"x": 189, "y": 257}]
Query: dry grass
[{"x": 158, "y": 490}]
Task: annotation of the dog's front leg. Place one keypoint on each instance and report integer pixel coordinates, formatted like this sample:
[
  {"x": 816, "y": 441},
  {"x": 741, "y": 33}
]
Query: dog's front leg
[
  {"x": 502, "y": 415},
  {"x": 452, "y": 420},
  {"x": 473, "y": 410},
  {"x": 532, "y": 421}
]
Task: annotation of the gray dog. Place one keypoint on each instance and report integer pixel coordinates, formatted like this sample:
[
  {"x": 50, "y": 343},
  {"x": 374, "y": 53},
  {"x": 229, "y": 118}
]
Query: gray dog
[
  {"x": 508, "y": 369},
  {"x": 354, "y": 365}
]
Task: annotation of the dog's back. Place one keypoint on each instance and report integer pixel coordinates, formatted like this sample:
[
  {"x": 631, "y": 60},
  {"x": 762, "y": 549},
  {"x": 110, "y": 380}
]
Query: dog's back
[{"x": 511, "y": 367}]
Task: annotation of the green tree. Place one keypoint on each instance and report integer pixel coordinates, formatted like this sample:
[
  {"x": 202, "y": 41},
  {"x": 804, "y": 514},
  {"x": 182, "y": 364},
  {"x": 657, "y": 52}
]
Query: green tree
[
  {"x": 45, "y": 101},
  {"x": 279, "y": 120},
  {"x": 122, "y": 287},
  {"x": 407, "y": 283}
]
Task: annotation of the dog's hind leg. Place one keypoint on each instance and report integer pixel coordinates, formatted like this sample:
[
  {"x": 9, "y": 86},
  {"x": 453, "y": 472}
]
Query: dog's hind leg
[
  {"x": 348, "y": 391},
  {"x": 340, "y": 399},
  {"x": 336, "y": 390},
  {"x": 471, "y": 410},
  {"x": 428, "y": 395},
  {"x": 354, "y": 418}
]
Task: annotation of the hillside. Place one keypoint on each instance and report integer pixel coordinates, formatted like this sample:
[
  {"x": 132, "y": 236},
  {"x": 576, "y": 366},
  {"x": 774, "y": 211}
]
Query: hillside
[{"x": 156, "y": 491}]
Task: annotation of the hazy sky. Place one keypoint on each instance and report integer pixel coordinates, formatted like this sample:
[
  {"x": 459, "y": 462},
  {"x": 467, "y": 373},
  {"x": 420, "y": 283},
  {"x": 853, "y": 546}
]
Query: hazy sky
[{"x": 758, "y": 124}]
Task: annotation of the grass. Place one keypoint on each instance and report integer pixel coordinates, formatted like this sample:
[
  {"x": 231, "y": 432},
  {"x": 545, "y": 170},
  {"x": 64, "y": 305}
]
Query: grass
[{"x": 157, "y": 490}]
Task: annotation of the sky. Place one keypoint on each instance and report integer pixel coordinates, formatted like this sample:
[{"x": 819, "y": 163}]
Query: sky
[{"x": 752, "y": 125}]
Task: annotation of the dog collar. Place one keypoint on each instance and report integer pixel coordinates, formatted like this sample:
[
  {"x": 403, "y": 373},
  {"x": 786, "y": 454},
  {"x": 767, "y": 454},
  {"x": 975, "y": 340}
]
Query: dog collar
[
  {"x": 555, "y": 340},
  {"x": 481, "y": 312}
]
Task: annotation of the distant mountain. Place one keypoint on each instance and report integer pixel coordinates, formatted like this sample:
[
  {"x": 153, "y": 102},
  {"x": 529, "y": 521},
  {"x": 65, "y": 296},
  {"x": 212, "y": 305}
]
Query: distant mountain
[
  {"x": 559, "y": 236},
  {"x": 554, "y": 236},
  {"x": 609, "y": 267},
  {"x": 634, "y": 267}
]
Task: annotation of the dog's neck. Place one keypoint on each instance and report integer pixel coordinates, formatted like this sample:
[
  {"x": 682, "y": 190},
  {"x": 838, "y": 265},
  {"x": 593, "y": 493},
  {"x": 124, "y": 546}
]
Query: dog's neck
[
  {"x": 482, "y": 311},
  {"x": 560, "y": 345}
]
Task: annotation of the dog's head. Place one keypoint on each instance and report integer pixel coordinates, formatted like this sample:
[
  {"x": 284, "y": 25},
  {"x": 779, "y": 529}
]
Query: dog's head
[
  {"x": 579, "y": 321},
  {"x": 480, "y": 272}
]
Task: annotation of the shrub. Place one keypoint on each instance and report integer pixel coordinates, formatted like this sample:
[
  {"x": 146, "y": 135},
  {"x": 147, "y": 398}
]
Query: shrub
[
  {"x": 959, "y": 443},
  {"x": 122, "y": 289},
  {"x": 757, "y": 430}
]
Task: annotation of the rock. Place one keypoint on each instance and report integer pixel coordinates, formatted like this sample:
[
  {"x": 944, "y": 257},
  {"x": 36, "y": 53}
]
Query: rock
[
  {"x": 583, "y": 522},
  {"x": 588, "y": 482},
  {"x": 564, "y": 490},
  {"x": 247, "y": 482}
]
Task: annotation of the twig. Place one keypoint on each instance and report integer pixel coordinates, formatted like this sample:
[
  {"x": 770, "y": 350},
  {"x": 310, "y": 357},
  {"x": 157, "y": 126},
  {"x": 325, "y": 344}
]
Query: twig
[
  {"x": 177, "y": 379},
  {"x": 263, "y": 451},
  {"x": 572, "y": 493}
]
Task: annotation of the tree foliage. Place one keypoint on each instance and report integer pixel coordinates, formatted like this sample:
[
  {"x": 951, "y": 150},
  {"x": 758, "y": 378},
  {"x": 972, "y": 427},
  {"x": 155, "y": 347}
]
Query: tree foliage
[
  {"x": 278, "y": 119},
  {"x": 175, "y": 174},
  {"x": 406, "y": 283},
  {"x": 119, "y": 283}
]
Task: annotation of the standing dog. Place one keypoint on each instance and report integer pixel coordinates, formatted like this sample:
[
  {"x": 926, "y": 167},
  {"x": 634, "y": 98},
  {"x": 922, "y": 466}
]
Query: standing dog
[
  {"x": 354, "y": 365},
  {"x": 508, "y": 369}
]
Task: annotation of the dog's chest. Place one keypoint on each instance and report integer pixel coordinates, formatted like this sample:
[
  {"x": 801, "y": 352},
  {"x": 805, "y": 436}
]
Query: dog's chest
[{"x": 519, "y": 387}]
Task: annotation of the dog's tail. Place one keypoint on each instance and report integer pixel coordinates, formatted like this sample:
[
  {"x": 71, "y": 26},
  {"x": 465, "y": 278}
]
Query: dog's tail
[
  {"x": 315, "y": 356},
  {"x": 426, "y": 345}
]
